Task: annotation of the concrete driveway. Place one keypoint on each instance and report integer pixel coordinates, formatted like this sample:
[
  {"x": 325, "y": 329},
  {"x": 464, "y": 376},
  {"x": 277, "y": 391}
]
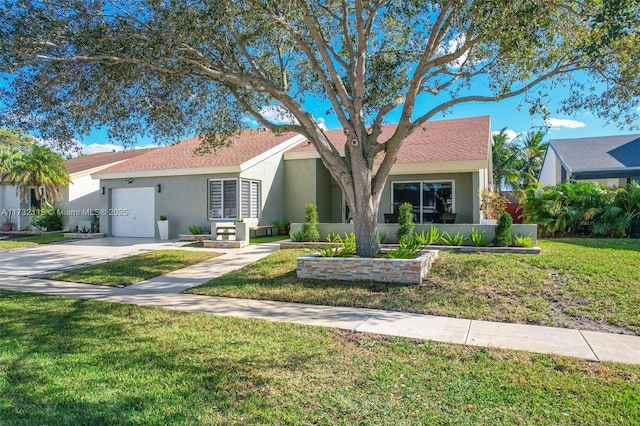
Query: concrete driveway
[{"x": 50, "y": 258}]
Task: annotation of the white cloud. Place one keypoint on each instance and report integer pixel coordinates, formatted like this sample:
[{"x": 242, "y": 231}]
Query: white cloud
[
  {"x": 450, "y": 47},
  {"x": 510, "y": 134},
  {"x": 96, "y": 147},
  {"x": 638, "y": 109},
  {"x": 556, "y": 123},
  {"x": 278, "y": 115}
]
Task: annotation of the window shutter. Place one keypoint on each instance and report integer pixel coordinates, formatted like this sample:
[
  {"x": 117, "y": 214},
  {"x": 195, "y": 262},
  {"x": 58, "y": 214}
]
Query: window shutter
[
  {"x": 255, "y": 199},
  {"x": 230, "y": 199},
  {"x": 245, "y": 199},
  {"x": 216, "y": 199}
]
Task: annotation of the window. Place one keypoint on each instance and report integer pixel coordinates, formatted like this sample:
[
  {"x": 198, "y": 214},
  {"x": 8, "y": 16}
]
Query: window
[
  {"x": 429, "y": 199},
  {"x": 250, "y": 204},
  {"x": 34, "y": 202},
  {"x": 225, "y": 199}
]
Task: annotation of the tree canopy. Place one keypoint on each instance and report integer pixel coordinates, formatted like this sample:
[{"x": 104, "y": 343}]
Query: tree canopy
[{"x": 174, "y": 68}]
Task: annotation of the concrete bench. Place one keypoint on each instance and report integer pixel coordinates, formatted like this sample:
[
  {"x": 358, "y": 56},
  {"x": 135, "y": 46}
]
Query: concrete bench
[{"x": 268, "y": 229}]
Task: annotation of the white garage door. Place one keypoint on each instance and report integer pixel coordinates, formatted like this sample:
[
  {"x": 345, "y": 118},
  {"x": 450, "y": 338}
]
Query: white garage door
[{"x": 133, "y": 212}]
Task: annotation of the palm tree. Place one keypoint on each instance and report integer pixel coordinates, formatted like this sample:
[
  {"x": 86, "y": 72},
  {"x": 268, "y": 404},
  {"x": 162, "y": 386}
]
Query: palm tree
[
  {"x": 505, "y": 161},
  {"x": 9, "y": 155},
  {"x": 42, "y": 170},
  {"x": 528, "y": 162}
]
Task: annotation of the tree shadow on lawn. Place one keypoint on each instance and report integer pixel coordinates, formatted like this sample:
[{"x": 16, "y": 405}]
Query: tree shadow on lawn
[{"x": 91, "y": 362}]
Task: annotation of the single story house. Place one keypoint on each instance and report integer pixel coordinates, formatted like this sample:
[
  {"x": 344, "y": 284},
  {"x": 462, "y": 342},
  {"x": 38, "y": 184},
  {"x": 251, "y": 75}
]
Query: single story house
[
  {"x": 609, "y": 160},
  {"x": 262, "y": 177},
  {"x": 78, "y": 198}
]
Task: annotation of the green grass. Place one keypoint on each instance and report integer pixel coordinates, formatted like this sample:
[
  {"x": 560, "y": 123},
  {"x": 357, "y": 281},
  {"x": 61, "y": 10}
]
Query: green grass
[
  {"x": 578, "y": 283},
  {"x": 267, "y": 239},
  {"x": 68, "y": 361},
  {"x": 31, "y": 241},
  {"x": 133, "y": 269}
]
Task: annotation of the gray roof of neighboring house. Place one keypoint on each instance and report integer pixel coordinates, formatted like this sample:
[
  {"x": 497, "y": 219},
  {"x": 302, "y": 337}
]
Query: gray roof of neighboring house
[{"x": 599, "y": 157}]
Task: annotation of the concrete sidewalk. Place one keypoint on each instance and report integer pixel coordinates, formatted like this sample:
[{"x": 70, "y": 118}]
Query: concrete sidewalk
[{"x": 163, "y": 292}]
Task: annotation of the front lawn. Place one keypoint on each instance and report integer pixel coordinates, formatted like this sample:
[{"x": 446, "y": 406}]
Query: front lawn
[
  {"x": 69, "y": 361},
  {"x": 133, "y": 269},
  {"x": 580, "y": 283},
  {"x": 31, "y": 241}
]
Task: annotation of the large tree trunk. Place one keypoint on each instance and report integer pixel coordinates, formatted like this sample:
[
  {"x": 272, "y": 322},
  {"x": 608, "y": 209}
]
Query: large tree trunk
[
  {"x": 365, "y": 226},
  {"x": 365, "y": 203}
]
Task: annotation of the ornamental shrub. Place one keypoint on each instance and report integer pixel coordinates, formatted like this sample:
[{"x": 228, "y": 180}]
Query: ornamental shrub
[
  {"x": 503, "y": 231},
  {"x": 310, "y": 226},
  {"x": 405, "y": 221},
  {"x": 49, "y": 219}
]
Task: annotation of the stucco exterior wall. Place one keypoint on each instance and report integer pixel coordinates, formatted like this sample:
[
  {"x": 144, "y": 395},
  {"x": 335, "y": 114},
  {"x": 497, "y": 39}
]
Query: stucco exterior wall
[
  {"x": 551, "y": 169},
  {"x": 81, "y": 196},
  {"x": 271, "y": 174},
  {"x": 300, "y": 187}
]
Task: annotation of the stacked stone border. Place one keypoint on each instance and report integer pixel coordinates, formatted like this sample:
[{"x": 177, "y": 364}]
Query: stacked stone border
[{"x": 405, "y": 271}]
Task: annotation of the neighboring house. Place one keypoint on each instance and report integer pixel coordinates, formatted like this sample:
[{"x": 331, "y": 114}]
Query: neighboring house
[
  {"x": 609, "y": 160},
  {"x": 78, "y": 198},
  {"x": 262, "y": 177}
]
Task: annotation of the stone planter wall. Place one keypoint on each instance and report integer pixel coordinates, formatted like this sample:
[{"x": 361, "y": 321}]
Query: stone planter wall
[
  {"x": 83, "y": 236},
  {"x": 406, "y": 271},
  {"x": 194, "y": 237}
]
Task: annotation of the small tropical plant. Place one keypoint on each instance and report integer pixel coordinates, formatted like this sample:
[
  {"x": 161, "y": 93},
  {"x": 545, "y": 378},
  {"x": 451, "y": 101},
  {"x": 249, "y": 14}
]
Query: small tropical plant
[
  {"x": 478, "y": 239},
  {"x": 430, "y": 237},
  {"x": 381, "y": 237},
  {"x": 296, "y": 236},
  {"x": 405, "y": 221},
  {"x": 162, "y": 217},
  {"x": 195, "y": 229},
  {"x": 522, "y": 241},
  {"x": 310, "y": 227},
  {"x": 346, "y": 248},
  {"x": 282, "y": 225},
  {"x": 453, "y": 240},
  {"x": 408, "y": 248},
  {"x": 47, "y": 218},
  {"x": 503, "y": 231},
  {"x": 493, "y": 204}
]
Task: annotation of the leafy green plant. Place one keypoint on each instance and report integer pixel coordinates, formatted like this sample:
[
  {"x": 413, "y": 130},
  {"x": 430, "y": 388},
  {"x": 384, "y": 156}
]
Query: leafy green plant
[
  {"x": 195, "y": 229},
  {"x": 282, "y": 225},
  {"x": 522, "y": 241},
  {"x": 346, "y": 248},
  {"x": 296, "y": 236},
  {"x": 478, "y": 239},
  {"x": 381, "y": 237},
  {"x": 408, "y": 248},
  {"x": 503, "y": 231},
  {"x": 162, "y": 217},
  {"x": 310, "y": 227},
  {"x": 240, "y": 220},
  {"x": 569, "y": 208},
  {"x": 332, "y": 237},
  {"x": 430, "y": 237},
  {"x": 405, "y": 221},
  {"x": 328, "y": 251},
  {"x": 622, "y": 217},
  {"x": 453, "y": 240},
  {"x": 49, "y": 219}
]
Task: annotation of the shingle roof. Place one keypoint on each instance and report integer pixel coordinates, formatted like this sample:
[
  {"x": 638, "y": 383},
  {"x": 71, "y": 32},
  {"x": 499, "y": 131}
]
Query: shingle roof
[
  {"x": 249, "y": 144},
  {"x": 92, "y": 161},
  {"x": 598, "y": 153},
  {"x": 459, "y": 139}
]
